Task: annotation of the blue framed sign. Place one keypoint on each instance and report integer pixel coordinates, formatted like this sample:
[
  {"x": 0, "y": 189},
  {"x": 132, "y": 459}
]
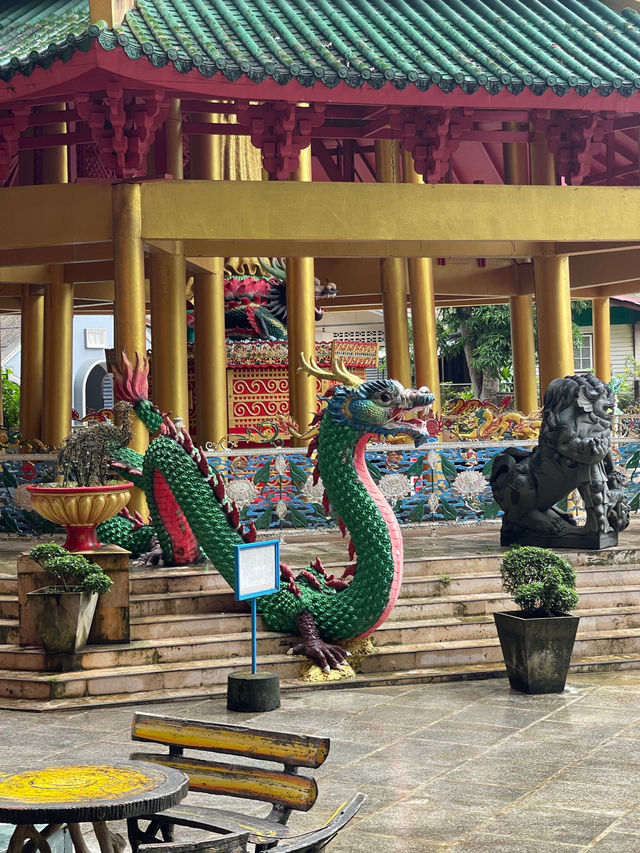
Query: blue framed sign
[
  {"x": 257, "y": 569},
  {"x": 257, "y": 572}
]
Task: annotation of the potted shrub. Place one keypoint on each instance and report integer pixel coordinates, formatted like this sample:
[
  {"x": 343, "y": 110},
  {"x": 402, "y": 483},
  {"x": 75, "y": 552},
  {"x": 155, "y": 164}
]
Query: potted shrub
[
  {"x": 537, "y": 640},
  {"x": 63, "y": 611},
  {"x": 85, "y": 496}
]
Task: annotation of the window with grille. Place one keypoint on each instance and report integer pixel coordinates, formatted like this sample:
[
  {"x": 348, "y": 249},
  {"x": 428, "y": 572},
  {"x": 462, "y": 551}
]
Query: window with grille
[
  {"x": 370, "y": 336},
  {"x": 583, "y": 354}
]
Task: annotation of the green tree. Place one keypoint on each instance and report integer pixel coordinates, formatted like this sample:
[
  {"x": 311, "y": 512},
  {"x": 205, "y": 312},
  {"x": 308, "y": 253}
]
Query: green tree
[
  {"x": 483, "y": 333},
  {"x": 10, "y": 401}
]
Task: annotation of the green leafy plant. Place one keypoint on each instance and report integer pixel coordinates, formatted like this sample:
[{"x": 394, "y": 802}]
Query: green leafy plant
[
  {"x": 72, "y": 572},
  {"x": 540, "y": 581},
  {"x": 10, "y": 401}
]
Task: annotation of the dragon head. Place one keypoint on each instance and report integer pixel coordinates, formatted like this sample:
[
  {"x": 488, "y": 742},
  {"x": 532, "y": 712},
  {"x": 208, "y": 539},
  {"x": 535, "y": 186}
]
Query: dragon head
[{"x": 381, "y": 406}]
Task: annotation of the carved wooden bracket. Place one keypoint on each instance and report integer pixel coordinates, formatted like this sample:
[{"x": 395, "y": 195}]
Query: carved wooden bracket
[
  {"x": 280, "y": 130},
  {"x": 431, "y": 135},
  {"x": 11, "y": 126},
  {"x": 570, "y": 138},
  {"x": 123, "y": 126}
]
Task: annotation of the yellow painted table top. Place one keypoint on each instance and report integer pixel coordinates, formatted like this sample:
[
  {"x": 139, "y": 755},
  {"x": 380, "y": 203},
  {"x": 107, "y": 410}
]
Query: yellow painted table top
[{"x": 89, "y": 792}]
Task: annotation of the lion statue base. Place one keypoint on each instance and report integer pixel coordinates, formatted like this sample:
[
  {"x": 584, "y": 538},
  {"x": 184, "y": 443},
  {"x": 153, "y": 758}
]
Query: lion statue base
[{"x": 573, "y": 452}]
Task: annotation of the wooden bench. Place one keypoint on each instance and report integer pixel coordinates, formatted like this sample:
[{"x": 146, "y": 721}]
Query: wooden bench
[
  {"x": 285, "y": 789},
  {"x": 235, "y": 843}
]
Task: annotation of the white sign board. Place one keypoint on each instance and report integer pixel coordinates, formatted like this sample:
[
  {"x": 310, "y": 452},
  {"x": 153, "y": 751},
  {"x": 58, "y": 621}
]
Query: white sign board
[{"x": 257, "y": 569}]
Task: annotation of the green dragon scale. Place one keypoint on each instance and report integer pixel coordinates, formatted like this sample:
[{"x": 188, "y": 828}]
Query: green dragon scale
[{"x": 190, "y": 514}]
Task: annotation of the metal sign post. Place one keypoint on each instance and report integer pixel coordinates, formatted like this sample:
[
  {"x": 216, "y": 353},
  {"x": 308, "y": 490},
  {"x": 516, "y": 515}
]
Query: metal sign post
[{"x": 257, "y": 573}]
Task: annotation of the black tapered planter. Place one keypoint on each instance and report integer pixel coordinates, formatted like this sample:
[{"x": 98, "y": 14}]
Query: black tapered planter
[{"x": 536, "y": 649}]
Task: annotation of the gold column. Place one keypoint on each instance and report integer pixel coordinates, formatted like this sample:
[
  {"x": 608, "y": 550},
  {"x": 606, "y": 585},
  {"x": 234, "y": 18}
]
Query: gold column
[
  {"x": 523, "y": 345},
  {"x": 423, "y": 308},
  {"x": 602, "y": 338},
  {"x": 523, "y": 349},
  {"x": 169, "y": 334},
  {"x": 210, "y": 356},
  {"x": 167, "y": 290},
  {"x": 393, "y": 281},
  {"x": 553, "y": 303},
  {"x": 301, "y": 324},
  {"x": 174, "y": 139},
  {"x": 129, "y": 297},
  {"x": 31, "y": 361},
  {"x": 208, "y": 290},
  {"x": 55, "y": 167},
  {"x": 542, "y": 163},
  {"x": 58, "y": 358}
]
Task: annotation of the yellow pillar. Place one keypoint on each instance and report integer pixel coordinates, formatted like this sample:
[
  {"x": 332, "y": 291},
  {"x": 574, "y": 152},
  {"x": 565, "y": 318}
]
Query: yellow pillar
[
  {"x": 210, "y": 352},
  {"x": 58, "y": 358},
  {"x": 423, "y": 308},
  {"x": 523, "y": 350},
  {"x": 541, "y": 161},
  {"x": 129, "y": 296},
  {"x": 169, "y": 335},
  {"x": 396, "y": 328},
  {"x": 174, "y": 139},
  {"x": 393, "y": 281},
  {"x": 210, "y": 356},
  {"x": 602, "y": 338},
  {"x": 523, "y": 345},
  {"x": 31, "y": 361},
  {"x": 301, "y": 324},
  {"x": 55, "y": 168},
  {"x": 553, "y": 304}
]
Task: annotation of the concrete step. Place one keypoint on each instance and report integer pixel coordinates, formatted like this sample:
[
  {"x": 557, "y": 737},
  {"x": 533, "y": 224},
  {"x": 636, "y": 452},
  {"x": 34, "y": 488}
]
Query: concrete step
[
  {"x": 9, "y": 606},
  {"x": 489, "y": 563},
  {"x": 464, "y": 672},
  {"x": 149, "y": 652},
  {"x": 167, "y": 673},
  {"x": 185, "y": 602},
  {"x": 8, "y": 584},
  {"x": 188, "y": 625},
  {"x": 438, "y": 629},
  {"x": 9, "y": 631},
  {"x": 446, "y": 653},
  {"x": 194, "y": 675},
  {"x": 225, "y": 644},
  {"x": 476, "y": 604},
  {"x": 158, "y": 581}
]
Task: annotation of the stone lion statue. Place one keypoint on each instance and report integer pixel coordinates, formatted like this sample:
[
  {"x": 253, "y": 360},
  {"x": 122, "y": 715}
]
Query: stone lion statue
[{"x": 573, "y": 452}]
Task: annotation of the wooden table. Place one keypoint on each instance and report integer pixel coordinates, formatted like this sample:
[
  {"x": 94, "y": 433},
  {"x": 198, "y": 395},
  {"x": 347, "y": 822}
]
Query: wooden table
[{"x": 79, "y": 793}]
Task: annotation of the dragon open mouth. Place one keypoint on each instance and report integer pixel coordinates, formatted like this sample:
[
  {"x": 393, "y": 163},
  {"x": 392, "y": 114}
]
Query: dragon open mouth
[{"x": 413, "y": 420}]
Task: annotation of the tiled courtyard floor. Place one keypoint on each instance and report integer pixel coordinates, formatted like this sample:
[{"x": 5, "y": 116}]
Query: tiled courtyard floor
[{"x": 465, "y": 766}]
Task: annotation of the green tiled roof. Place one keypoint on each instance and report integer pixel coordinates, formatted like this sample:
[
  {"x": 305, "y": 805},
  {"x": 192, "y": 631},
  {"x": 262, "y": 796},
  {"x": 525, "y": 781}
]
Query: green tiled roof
[
  {"x": 36, "y": 32},
  {"x": 471, "y": 44}
]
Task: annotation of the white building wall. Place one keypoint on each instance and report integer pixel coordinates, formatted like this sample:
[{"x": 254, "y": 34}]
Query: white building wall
[{"x": 623, "y": 345}]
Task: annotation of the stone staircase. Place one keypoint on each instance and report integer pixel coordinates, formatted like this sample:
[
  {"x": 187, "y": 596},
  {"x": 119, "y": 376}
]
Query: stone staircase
[{"x": 188, "y": 633}]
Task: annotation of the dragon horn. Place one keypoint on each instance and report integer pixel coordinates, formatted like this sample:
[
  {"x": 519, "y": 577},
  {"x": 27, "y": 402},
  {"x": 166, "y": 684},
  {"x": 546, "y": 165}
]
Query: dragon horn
[
  {"x": 273, "y": 269},
  {"x": 337, "y": 373}
]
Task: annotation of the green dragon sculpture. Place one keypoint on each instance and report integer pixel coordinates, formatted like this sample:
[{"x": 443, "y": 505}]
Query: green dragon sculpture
[{"x": 190, "y": 513}]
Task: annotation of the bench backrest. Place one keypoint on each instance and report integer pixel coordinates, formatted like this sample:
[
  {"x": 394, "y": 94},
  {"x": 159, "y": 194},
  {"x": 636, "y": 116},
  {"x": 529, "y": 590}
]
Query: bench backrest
[{"x": 282, "y": 787}]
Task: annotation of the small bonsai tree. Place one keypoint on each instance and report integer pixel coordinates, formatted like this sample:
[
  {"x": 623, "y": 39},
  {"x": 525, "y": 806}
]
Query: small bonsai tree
[
  {"x": 84, "y": 455},
  {"x": 72, "y": 572},
  {"x": 540, "y": 581}
]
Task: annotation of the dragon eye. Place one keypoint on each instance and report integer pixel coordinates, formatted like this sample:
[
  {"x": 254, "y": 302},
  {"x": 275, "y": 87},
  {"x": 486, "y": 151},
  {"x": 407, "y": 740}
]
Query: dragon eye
[{"x": 385, "y": 397}]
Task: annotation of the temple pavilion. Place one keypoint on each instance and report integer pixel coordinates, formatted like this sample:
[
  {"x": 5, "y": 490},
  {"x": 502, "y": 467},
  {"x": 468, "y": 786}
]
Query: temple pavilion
[{"x": 416, "y": 153}]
